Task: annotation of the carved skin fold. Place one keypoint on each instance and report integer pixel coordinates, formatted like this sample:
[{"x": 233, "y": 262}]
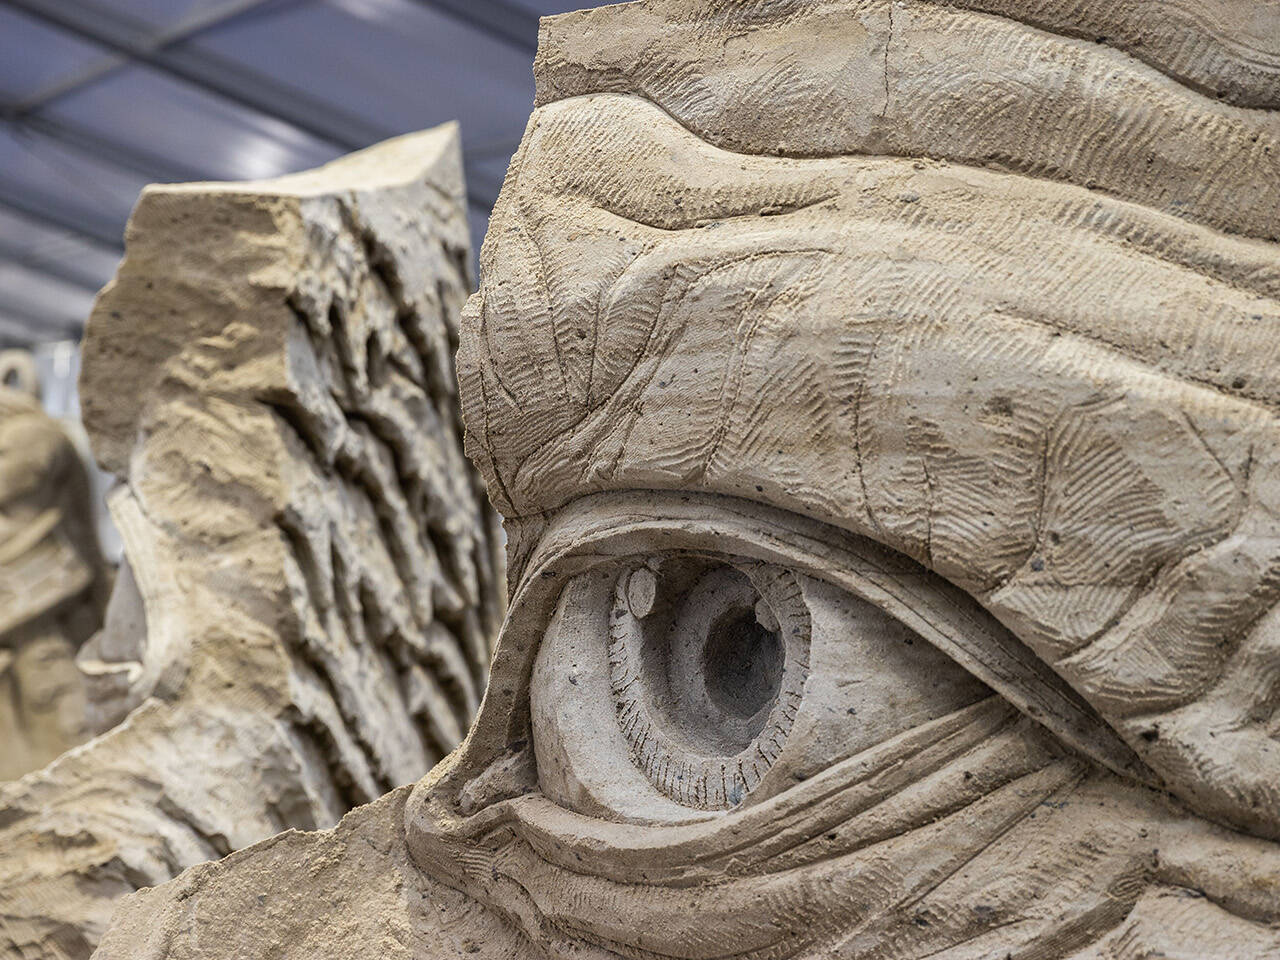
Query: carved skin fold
[{"x": 978, "y": 830}]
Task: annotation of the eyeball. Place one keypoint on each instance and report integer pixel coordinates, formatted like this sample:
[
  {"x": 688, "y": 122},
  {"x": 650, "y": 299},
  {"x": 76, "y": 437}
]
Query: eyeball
[
  {"x": 680, "y": 686},
  {"x": 707, "y": 676}
]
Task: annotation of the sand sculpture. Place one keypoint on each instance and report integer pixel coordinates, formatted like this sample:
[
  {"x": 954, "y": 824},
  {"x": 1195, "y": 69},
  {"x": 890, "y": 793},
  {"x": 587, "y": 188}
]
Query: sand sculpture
[
  {"x": 53, "y": 581},
  {"x": 305, "y": 615},
  {"x": 882, "y": 399}
]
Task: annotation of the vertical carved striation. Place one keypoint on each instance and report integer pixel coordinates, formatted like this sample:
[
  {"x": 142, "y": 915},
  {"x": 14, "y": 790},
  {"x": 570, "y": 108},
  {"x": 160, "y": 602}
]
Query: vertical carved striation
[{"x": 270, "y": 374}]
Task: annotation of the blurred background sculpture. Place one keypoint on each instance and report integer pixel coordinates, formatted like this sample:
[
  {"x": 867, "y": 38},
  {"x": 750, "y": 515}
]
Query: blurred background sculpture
[
  {"x": 53, "y": 581},
  {"x": 882, "y": 399},
  {"x": 311, "y": 578}
]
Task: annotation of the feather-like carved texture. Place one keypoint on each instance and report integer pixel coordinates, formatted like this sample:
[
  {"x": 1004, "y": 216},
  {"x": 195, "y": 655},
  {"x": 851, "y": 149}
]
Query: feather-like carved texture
[{"x": 996, "y": 296}]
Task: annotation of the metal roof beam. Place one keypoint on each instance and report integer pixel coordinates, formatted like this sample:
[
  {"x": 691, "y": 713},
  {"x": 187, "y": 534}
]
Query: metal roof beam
[
  {"x": 17, "y": 324},
  {"x": 61, "y": 270},
  {"x": 185, "y": 29},
  {"x": 266, "y": 96},
  {"x": 228, "y": 79},
  {"x": 106, "y": 150},
  {"x": 501, "y": 20},
  {"x": 51, "y": 211}
]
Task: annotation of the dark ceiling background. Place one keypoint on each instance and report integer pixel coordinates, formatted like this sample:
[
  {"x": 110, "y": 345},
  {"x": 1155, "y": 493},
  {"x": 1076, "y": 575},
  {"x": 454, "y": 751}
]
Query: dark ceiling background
[{"x": 100, "y": 97}]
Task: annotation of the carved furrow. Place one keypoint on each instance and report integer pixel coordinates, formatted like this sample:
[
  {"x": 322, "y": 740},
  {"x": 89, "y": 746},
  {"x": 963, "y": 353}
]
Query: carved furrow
[{"x": 248, "y": 378}]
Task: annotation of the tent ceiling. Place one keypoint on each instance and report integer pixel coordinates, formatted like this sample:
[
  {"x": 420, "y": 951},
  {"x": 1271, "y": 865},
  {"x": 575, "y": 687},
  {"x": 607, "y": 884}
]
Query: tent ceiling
[{"x": 100, "y": 97}]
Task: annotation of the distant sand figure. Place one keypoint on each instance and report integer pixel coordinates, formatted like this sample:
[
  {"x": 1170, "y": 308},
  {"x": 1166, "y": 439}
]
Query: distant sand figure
[{"x": 52, "y": 576}]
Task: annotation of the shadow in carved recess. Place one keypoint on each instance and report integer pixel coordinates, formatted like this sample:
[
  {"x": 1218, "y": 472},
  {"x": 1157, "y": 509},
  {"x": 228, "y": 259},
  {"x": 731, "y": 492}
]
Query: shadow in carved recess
[
  {"x": 311, "y": 580},
  {"x": 882, "y": 400}
]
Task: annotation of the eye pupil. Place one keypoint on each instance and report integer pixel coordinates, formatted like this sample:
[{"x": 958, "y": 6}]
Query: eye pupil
[
  {"x": 707, "y": 663},
  {"x": 742, "y": 663}
]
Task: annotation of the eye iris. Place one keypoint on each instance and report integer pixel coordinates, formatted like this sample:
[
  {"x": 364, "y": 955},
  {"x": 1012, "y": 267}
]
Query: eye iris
[
  {"x": 742, "y": 664},
  {"x": 707, "y": 663}
]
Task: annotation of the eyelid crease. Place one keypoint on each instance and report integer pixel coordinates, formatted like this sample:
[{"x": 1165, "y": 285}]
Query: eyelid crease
[
  {"x": 703, "y": 849},
  {"x": 606, "y": 527}
]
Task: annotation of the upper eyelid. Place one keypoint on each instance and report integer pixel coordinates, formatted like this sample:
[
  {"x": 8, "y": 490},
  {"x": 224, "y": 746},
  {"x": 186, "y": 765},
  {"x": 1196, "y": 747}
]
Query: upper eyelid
[{"x": 603, "y": 528}]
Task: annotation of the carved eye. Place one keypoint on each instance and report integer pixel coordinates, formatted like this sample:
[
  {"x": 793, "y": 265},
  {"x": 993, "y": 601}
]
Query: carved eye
[
  {"x": 707, "y": 664},
  {"x": 679, "y": 685}
]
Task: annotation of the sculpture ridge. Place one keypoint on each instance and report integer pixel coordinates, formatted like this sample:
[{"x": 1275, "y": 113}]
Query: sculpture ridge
[
  {"x": 310, "y": 587},
  {"x": 880, "y": 398}
]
